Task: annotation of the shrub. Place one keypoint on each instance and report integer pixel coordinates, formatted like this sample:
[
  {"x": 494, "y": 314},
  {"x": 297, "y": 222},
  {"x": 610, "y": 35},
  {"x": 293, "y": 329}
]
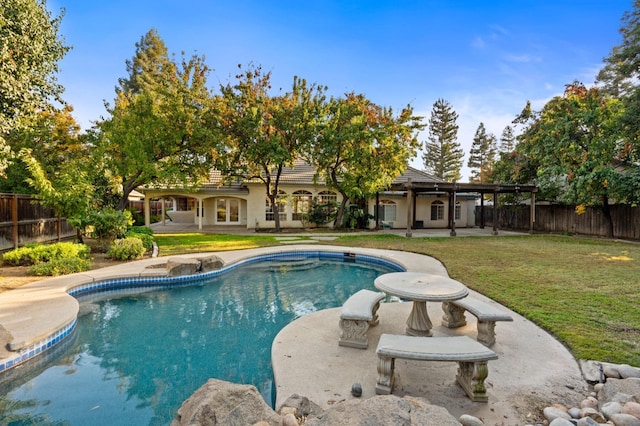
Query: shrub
[
  {"x": 144, "y": 233},
  {"x": 61, "y": 266},
  {"x": 33, "y": 254},
  {"x": 126, "y": 248},
  {"x": 109, "y": 224}
]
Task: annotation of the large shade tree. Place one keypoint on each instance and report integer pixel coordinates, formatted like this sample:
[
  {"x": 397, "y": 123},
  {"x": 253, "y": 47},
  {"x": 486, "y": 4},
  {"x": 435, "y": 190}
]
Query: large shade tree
[
  {"x": 160, "y": 127},
  {"x": 30, "y": 49},
  {"x": 261, "y": 133},
  {"x": 363, "y": 147},
  {"x": 443, "y": 154},
  {"x": 575, "y": 147}
]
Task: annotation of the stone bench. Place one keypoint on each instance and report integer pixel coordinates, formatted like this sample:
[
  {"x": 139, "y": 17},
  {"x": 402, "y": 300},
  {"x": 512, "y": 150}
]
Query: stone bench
[
  {"x": 487, "y": 316},
  {"x": 471, "y": 356},
  {"x": 359, "y": 313}
]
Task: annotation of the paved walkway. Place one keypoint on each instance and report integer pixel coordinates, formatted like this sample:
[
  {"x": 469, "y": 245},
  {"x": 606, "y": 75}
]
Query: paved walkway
[{"x": 533, "y": 368}]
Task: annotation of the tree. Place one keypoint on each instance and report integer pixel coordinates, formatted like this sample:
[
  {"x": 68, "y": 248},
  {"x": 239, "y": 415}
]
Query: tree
[
  {"x": 482, "y": 155},
  {"x": 30, "y": 49},
  {"x": 507, "y": 140},
  {"x": 261, "y": 133},
  {"x": 363, "y": 147},
  {"x": 576, "y": 143},
  {"x": 159, "y": 129},
  {"x": 443, "y": 154}
]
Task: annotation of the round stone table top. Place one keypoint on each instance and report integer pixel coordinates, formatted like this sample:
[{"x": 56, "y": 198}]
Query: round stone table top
[{"x": 422, "y": 287}]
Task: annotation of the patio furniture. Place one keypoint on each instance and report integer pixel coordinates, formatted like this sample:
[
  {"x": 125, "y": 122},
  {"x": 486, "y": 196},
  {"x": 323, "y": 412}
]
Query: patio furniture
[
  {"x": 358, "y": 313},
  {"x": 471, "y": 356},
  {"x": 420, "y": 288},
  {"x": 487, "y": 316}
]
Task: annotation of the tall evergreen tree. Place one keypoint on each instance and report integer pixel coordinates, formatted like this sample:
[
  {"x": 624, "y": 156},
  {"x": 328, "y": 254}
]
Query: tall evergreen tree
[
  {"x": 443, "y": 154},
  {"x": 507, "y": 140},
  {"x": 482, "y": 155}
]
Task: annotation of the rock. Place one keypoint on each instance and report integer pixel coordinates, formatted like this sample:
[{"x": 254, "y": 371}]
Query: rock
[
  {"x": 574, "y": 412},
  {"x": 611, "y": 371},
  {"x": 597, "y": 387},
  {"x": 303, "y": 406},
  {"x": 384, "y": 410},
  {"x": 356, "y": 390},
  {"x": 552, "y": 413},
  {"x": 210, "y": 263},
  {"x": 586, "y": 421},
  {"x": 610, "y": 408},
  {"x": 625, "y": 420},
  {"x": 594, "y": 414},
  {"x": 222, "y": 403},
  {"x": 589, "y": 402},
  {"x": 620, "y": 390},
  {"x": 561, "y": 422},
  {"x": 627, "y": 371},
  {"x": 468, "y": 420},
  {"x": 289, "y": 420},
  {"x": 178, "y": 267},
  {"x": 631, "y": 407}
]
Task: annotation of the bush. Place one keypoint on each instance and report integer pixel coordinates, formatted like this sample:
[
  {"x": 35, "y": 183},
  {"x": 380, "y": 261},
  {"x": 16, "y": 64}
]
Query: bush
[
  {"x": 109, "y": 224},
  {"x": 33, "y": 254},
  {"x": 60, "y": 267},
  {"x": 126, "y": 249},
  {"x": 144, "y": 233}
]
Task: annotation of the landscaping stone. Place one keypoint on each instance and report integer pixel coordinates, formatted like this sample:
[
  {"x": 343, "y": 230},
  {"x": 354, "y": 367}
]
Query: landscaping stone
[
  {"x": 210, "y": 263},
  {"x": 552, "y": 413},
  {"x": 178, "y": 267},
  {"x": 625, "y": 420},
  {"x": 467, "y": 420}
]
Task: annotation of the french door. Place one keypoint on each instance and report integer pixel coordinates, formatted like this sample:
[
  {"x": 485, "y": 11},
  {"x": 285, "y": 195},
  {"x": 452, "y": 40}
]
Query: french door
[{"x": 227, "y": 211}]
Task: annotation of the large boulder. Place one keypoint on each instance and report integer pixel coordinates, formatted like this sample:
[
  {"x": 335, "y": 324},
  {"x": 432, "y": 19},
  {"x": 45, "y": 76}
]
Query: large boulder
[
  {"x": 384, "y": 410},
  {"x": 222, "y": 403},
  {"x": 210, "y": 263},
  {"x": 620, "y": 390},
  {"x": 178, "y": 267}
]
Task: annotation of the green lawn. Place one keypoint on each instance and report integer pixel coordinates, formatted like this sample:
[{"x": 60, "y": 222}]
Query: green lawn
[{"x": 584, "y": 291}]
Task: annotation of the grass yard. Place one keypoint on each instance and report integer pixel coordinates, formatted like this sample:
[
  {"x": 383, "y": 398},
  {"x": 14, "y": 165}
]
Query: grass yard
[{"x": 584, "y": 291}]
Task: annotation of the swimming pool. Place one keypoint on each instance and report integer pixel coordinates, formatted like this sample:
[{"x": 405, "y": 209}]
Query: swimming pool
[{"x": 134, "y": 359}]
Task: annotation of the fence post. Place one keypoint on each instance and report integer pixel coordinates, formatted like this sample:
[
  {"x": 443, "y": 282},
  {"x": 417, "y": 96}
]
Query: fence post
[{"x": 14, "y": 219}]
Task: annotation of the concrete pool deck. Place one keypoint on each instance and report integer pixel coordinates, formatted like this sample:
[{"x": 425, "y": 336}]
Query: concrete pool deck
[{"x": 533, "y": 368}]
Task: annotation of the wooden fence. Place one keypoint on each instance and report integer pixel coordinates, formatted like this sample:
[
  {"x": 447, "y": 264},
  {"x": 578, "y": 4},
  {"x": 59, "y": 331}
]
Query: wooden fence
[
  {"x": 564, "y": 219},
  {"x": 24, "y": 220}
]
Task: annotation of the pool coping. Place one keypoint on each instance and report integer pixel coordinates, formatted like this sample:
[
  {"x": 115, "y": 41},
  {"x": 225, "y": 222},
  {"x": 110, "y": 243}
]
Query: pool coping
[{"x": 39, "y": 315}]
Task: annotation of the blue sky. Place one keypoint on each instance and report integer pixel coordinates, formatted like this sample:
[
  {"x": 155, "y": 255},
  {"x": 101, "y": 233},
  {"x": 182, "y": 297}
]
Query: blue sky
[{"x": 486, "y": 58}]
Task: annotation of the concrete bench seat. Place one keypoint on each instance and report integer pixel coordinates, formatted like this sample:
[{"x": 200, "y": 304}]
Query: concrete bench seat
[
  {"x": 471, "y": 356},
  {"x": 359, "y": 313},
  {"x": 487, "y": 316}
]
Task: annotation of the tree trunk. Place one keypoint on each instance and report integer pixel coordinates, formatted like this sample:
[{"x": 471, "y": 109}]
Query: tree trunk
[
  {"x": 339, "y": 222},
  {"x": 606, "y": 210}
]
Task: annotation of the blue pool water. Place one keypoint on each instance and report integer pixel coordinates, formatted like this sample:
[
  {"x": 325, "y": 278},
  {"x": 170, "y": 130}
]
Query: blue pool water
[{"x": 134, "y": 359}]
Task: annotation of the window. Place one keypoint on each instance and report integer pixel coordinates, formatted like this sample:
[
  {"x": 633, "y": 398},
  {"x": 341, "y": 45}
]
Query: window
[
  {"x": 458, "y": 211},
  {"x": 327, "y": 197},
  {"x": 301, "y": 205},
  {"x": 437, "y": 210},
  {"x": 387, "y": 210},
  {"x": 282, "y": 212}
]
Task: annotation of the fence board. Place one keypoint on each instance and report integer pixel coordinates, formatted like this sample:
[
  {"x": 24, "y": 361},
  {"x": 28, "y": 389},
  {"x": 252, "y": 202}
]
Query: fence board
[
  {"x": 564, "y": 219},
  {"x": 24, "y": 220}
]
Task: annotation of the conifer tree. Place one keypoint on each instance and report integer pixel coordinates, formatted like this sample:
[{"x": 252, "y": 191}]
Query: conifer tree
[
  {"x": 443, "y": 154},
  {"x": 507, "y": 140},
  {"x": 482, "y": 155}
]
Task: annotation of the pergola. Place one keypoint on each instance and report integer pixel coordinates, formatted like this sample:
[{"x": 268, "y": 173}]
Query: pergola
[{"x": 413, "y": 188}]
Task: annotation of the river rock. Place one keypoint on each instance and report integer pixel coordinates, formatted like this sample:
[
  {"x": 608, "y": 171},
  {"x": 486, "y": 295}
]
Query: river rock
[
  {"x": 625, "y": 420},
  {"x": 574, "y": 412},
  {"x": 468, "y": 420},
  {"x": 587, "y": 421},
  {"x": 589, "y": 402},
  {"x": 627, "y": 371},
  {"x": 302, "y": 405},
  {"x": 594, "y": 414},
  {"x": 620, "y": 390},
  {"x": 552, "y": 413},
  {"x": 610, "y": 408},
  {"x": 631, "y": 407},
  {"x": 561, "y": 422}
]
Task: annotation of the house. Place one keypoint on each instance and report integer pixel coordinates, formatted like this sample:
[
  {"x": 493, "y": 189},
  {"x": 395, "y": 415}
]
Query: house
[{"x": 415, "y": 198}]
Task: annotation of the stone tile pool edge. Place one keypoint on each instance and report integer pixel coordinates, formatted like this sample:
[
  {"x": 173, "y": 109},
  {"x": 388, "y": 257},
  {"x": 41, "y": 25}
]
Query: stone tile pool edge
[{"x": 40, "y": 315}]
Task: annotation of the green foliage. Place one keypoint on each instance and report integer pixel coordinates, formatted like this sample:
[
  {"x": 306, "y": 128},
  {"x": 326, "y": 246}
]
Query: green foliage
[
  {"x": 482, "y": 155},
  {"x": 145, "y": 234},
  {"x": 29, "y": 65},
  {"x": 61, "y": 266},
  {"x": 322, "y": 213},
  {"x": 126, "y": 248},
  {"x": 159, "y": 128},
  {"x": 33, "y": 254},
  {"x": 109, "y": 224},
  {"x": 443, "y": 153}
]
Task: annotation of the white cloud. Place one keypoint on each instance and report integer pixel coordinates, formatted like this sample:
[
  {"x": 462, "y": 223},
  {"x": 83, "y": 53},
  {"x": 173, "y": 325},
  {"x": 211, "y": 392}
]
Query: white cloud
[{"x": 478, "y": 43}]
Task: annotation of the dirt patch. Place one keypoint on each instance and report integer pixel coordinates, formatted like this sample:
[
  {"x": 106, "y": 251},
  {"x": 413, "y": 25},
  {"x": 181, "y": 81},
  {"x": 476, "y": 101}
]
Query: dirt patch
[{"x": 12, "y": 277}]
